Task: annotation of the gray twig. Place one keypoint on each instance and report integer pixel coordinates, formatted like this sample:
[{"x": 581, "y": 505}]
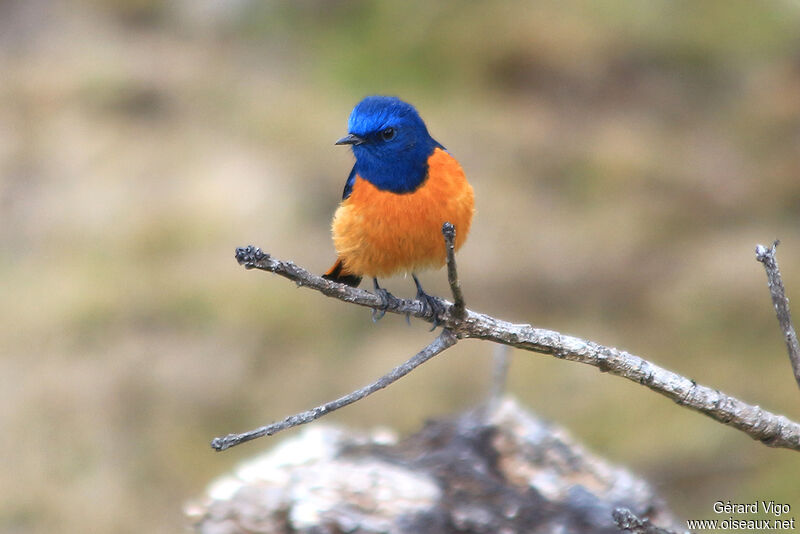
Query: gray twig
[
  {"x": 630, "y": 522},
  {"x": 771, "y": 429},
  {"x": 459, "y": 306},
  {"x": 767, "y": 257},
  {"x": 444, "y": 341}
]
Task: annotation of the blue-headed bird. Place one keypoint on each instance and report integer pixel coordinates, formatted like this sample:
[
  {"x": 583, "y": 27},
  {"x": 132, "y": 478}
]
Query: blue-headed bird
[{"x": 403, "y": 187}]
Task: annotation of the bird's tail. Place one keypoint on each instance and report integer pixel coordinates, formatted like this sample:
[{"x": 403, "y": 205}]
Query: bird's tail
[{"x": 337, "y": 273}]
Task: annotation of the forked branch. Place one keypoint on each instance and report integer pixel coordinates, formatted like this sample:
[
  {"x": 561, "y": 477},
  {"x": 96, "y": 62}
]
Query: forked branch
[{"x": 459, "y": 322}]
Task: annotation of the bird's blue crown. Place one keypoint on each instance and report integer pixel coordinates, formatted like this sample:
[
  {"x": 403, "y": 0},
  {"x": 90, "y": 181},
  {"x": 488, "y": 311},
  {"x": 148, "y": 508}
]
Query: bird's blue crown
[{"x": 391, "y": 144}]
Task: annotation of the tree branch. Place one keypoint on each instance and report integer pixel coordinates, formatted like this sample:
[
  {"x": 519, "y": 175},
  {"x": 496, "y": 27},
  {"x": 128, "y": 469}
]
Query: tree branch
[
  {"x": 253, "y": 258},
  {"x": 767, "y": 257},
  {"x": 444, "y": 341},
  {"x": 771, "y": 429}
]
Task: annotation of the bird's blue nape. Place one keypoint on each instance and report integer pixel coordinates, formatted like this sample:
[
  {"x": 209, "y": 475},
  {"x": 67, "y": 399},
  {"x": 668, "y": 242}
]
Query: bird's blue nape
[{"x": 396, "y": 145}]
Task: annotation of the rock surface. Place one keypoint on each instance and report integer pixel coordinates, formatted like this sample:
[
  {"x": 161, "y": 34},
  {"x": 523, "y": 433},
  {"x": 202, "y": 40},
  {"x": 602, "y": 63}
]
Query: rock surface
[{"x": 500, "y": 472}]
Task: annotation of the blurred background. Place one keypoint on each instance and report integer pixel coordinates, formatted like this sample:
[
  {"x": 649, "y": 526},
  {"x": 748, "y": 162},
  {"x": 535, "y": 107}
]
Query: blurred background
[{"x": 626, "y": 156}]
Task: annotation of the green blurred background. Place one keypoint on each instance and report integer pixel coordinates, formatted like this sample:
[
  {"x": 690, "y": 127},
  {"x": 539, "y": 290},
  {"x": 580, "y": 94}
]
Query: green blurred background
[{"x": 627, "y": 156}]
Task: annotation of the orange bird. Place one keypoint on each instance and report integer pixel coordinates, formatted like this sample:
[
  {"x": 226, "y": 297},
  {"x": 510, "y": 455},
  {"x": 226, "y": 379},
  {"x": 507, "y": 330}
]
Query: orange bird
[{"x": 403, "y": 187}]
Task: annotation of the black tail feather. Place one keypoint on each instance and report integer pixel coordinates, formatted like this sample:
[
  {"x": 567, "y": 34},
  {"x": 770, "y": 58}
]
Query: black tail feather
[{"x": 337, "y": 274}]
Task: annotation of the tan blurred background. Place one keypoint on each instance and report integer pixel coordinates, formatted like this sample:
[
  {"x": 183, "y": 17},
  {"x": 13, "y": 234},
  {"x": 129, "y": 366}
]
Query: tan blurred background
[{"x": 627, "y": 156}]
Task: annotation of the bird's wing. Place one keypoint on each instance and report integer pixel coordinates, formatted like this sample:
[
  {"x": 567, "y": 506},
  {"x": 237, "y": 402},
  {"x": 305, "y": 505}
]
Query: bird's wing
[{"x": 348, "y": 185}]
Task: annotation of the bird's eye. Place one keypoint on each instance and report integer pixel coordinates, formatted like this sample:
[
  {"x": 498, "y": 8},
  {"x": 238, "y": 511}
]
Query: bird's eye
[{"x": 388, "y": 134}]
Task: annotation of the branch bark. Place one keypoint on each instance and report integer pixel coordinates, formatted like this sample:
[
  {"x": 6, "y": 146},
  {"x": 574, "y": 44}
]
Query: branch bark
[
  {"x": 444, "y": 341},
  {"x": 459, "y": 306},
  {"x": 781, "y": 303},
  {"x": 769, "y": 428}
]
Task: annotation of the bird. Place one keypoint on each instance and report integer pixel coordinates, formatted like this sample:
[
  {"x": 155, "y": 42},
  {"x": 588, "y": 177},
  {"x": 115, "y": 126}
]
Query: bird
[{"x": 403, "y": 187}]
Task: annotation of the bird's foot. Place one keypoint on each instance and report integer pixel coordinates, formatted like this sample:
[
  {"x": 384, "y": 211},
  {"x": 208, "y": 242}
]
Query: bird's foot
[
  {"x": 430, "y": 304},
  {"x": 387, "y": 300}
]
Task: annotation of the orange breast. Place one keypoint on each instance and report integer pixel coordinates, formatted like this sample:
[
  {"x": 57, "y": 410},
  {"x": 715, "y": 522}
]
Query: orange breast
[{"x": 379, "y": 233}]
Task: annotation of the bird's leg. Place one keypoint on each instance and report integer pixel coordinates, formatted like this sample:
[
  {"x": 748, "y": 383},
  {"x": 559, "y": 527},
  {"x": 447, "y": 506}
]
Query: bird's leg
[
  {"x": 429, "y": 302},
  {"x": 386, "y": 299}
]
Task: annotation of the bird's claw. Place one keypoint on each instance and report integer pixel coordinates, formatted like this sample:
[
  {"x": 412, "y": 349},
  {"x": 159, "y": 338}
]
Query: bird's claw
[
  {"x": 387, "y": 300},
  {"x": 431, "y": 305}
]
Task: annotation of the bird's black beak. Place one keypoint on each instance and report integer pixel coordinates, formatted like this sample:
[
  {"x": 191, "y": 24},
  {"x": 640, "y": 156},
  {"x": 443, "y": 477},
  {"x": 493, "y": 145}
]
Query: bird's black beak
[{"x": 350, "y": 139}]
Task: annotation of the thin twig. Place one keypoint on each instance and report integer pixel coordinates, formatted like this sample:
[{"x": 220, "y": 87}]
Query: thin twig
[
  {"x": 773, "y": 430},
  {"x": 630, "y": 522},
  {"x": 459, "y": 306},
  {"x": 444, "y": 341},
  {"x": 775, "y": 282},
  {"x": 251, "y": 257}
]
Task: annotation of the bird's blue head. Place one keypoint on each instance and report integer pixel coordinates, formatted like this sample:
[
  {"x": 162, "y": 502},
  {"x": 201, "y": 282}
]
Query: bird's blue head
[{"x": 390, "y": 142}]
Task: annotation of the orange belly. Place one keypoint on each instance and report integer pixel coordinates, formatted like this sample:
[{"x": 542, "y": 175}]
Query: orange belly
[{"x": 379, "y": 233}]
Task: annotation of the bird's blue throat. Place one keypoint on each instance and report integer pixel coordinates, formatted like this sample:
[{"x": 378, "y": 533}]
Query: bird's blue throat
[{"x": 400, "y": 172}]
